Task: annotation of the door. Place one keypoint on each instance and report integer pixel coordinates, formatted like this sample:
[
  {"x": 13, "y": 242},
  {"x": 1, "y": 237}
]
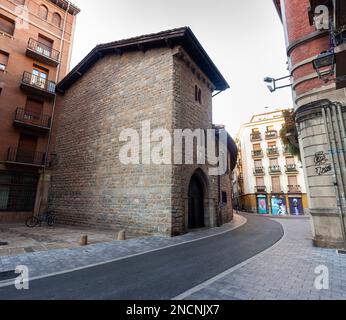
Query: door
[
  {"x": 196, "y": 204},
  {"x": 33, "y": 111},
  {"x": 45, "y": 46},
  {"x": 39, "y": 78},
  {"x": 26, "y": 149},
  {"x": 276, "y": 187}
]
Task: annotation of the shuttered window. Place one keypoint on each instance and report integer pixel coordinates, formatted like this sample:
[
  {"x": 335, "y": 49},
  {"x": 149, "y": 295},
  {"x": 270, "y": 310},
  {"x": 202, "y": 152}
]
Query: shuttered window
[
  {"x": 7, "y": 25},
  {"x": 340, "y": 6},
  {"x": 276, "y": 184},
  {"x": 3, "y": 60}
]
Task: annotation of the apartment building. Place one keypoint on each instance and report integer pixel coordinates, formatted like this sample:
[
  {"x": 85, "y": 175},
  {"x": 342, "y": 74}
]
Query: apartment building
[
  {"x": 36, "y": 38},
  {"x": 269, "y": 179}
]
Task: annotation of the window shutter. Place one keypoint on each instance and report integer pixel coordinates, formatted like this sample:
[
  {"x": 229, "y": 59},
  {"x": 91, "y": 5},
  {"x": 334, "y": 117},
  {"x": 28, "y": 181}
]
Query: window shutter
[{"x": 7, "y": 25}]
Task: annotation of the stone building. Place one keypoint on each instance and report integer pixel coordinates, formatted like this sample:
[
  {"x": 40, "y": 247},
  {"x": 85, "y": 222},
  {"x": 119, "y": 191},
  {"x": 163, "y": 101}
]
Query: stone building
[
  {"x": 36, "y": 39},
  {"x": 315, "y": 32},
  {"x": 165, "y": 80},
  {"x": 269, "y": 178}
]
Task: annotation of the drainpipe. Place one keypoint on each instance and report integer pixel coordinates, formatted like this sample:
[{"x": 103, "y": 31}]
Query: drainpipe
[
  {"x": 342, "y": 124},
  {"x": 337, "y": 191},
  {"x": 37, "y": 210}
]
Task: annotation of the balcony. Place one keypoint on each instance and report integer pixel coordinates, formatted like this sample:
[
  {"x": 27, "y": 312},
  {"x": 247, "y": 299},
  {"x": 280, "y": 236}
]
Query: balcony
[
  {"x": 274, "y": 170},
  {"x": 260, "y": 189},
  {"x": 33, "y": 84},
  {"x": 256, "y": 137},
  {"x": 272, "y": 151},
  {"x": 259, "y": 171},
  {"x": 272, "y": 134},
  {"x": 257, "y": 154},
  {"x": 294, "y": 189},
  {"x": 24, "y": 157},
  {"x": 291, "y": 168},
  {"x": 43, "y": 53},
  {"x": 31, "y": 120}
]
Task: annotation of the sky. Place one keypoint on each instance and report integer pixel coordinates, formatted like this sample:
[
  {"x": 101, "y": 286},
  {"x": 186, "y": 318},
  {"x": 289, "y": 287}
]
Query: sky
[{"x": 245, "y": 39}]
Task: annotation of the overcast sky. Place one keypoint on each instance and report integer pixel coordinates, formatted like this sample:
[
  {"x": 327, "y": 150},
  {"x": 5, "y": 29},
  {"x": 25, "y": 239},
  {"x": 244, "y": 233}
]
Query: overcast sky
[{"x": 244, "y": 39}]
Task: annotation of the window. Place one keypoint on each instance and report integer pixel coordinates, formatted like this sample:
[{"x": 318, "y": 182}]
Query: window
[
  {"x": 39, "y": 77},
  {"x": 260, "y": 182},
  {"x": 17, "y": 191},
  {"x": 198, "y": 94},
  {"x": 56, "y": 19},
  {"x": 33, "y": 109},
  {"x": 270, "y": 128},
  {"x": 292, "y": 181},
  {"x": 7, "y": 25},
  {"x": 271, "y": 144},
  {"x": 3, "y": 60},
  {"x": 43, "y": 12},
  {"x": 290, "y": 161},
  {"x": 276, "y": 185},
  {"x": 258, "y": 164},
  {"x": 274, "y": 162},
  {"x": 257, "y": 147},
  {"x": 256, "y": 130},
  {"x": 224, "y": 197},
  {"x": 45, "y": 45}
]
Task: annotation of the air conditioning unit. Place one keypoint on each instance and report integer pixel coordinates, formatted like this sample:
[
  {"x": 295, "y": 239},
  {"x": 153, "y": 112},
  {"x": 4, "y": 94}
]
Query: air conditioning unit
[{"x": 2, "y": 67}]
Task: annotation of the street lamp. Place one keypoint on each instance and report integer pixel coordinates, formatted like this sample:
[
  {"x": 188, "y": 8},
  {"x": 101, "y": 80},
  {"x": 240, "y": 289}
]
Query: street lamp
[
  {"x": 272, "y": 87},
  {"x": 324, "y": 65}
]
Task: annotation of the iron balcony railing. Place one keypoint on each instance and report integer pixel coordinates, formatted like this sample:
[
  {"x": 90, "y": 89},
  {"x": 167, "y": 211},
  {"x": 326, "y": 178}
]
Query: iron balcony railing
[
  {"x": 32, "y": 118},
  {"x": 291, "y": 168},
  {"x": 275, "y": 169},
  {"x": 26, "y": 157},
  {"x": 257, "y": 153},
  {"x": 43, "y": 50},
  {"x": 294, "y": 189},
  {"x": 260, "y": 189},
  {"x": 272, "y": 134},
  {"x": 38, "y": 82},
  {"x": 273, "y": 151},
  {"x": 256, "y": 136},
  {"x": 259, "y": 171}
]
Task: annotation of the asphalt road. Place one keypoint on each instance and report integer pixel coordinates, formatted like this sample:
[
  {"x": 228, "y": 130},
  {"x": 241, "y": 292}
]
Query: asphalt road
[{"x": 158, "y": 275}]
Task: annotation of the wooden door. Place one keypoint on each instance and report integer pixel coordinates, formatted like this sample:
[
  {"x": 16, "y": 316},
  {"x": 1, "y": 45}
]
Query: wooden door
[{"x": 26, "y": 148}]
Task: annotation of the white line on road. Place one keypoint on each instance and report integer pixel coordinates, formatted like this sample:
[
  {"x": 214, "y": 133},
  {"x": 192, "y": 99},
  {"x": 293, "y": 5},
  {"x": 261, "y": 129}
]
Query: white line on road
[
  {"x": 242, "y": 223},
  {"x": 229, "y": 271}
]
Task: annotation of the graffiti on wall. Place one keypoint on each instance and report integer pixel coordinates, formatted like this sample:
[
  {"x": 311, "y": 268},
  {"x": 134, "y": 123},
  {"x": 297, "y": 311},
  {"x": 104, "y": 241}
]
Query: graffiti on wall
[{"x": 321, "y": 163}]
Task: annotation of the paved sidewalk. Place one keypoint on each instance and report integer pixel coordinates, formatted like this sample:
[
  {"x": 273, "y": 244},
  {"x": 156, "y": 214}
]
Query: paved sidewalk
[
  {"x": 284, "y": 272},
  {"x": 55, "y": 261}
]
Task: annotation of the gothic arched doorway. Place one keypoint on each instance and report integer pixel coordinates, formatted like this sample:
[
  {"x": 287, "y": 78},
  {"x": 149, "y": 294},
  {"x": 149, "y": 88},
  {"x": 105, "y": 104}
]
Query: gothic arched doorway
[{"x": 196, "y": 203}]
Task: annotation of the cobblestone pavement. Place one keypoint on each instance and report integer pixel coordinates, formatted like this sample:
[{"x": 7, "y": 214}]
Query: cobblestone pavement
[
  {"x": 284, "y": 272},
  {"x": 21, "y": 239},
  {"x": 55, "y": 261}
]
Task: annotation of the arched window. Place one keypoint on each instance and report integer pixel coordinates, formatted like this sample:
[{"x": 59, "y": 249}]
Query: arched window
[
  {"x": 43, "y": 12},
  {"x": 56, "y": 19}
]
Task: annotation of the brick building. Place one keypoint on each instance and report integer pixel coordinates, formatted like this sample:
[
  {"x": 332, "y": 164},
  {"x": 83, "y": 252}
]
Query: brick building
[
  {"x": 165, "y": 78},
  {"x": 36, "y": 39},
  {"x": 315, "y": 32}
]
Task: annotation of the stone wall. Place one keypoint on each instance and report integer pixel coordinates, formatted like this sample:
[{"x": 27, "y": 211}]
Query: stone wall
[{"x": 90, "y": 186}]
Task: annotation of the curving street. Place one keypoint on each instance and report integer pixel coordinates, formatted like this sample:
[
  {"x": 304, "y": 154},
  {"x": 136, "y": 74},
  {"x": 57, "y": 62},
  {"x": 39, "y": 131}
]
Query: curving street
[{"x": 163, "y": 274}]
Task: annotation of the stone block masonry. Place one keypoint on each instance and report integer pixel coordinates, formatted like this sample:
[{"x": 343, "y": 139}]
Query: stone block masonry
[{"x": 90, "y": 186}]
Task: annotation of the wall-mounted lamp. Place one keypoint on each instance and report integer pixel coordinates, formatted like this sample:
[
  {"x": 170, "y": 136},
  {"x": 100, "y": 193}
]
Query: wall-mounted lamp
[
  {"x": 324, "y": 65},
  {"x": 272, "y": 87}
]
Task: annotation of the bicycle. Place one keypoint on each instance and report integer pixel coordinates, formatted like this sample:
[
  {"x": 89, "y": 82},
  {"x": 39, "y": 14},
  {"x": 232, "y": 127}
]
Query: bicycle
[{"x": 49, "y": 218}]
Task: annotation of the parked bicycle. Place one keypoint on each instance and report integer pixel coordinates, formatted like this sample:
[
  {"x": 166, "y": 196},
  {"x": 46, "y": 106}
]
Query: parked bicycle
[{"x": 49, "y": 218}]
